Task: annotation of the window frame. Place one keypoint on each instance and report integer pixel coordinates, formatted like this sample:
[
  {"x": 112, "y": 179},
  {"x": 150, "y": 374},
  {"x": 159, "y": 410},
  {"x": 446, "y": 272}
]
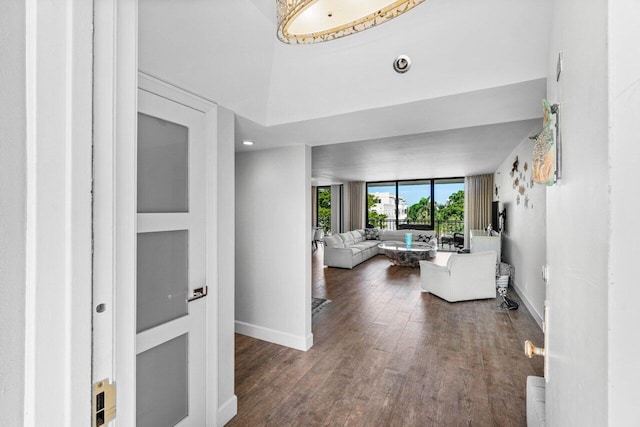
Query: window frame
[{"x": 397, "y": 184}]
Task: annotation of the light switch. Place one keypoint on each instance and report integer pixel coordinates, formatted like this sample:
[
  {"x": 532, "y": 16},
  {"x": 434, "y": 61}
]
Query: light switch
[{"x": 545, "y": 274}]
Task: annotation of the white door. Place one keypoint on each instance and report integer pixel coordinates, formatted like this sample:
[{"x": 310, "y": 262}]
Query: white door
[{"x": 170, "y": 264}]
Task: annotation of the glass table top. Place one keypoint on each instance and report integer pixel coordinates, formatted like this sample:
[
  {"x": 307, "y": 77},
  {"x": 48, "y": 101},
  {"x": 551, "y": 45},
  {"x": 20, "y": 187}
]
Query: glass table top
[{"x": 401, "y": 246}]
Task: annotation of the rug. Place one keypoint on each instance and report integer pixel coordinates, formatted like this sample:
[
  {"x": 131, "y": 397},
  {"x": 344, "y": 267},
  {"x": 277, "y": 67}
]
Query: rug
[{"x": 318, "y": 304}]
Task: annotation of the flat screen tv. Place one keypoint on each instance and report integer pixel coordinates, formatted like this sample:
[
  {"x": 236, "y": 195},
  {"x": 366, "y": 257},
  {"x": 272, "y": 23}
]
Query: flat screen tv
[{"x": 495, "y": 216}]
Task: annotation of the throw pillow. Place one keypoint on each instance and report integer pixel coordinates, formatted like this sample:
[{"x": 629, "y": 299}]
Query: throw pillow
[
  {"x": 371, "y": 233},
  {"x": 424, "y": 238}
]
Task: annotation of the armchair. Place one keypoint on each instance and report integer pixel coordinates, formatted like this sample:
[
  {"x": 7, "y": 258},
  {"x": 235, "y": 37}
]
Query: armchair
[
  {"x": 464, "y": 277},
  {"x": 317, "y": 236},
  {"x": 458, "y": 240}
]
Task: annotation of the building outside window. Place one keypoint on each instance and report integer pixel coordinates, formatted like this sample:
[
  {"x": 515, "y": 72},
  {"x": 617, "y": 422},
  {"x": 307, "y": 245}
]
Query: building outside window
[{"x": 386, "y": 205}]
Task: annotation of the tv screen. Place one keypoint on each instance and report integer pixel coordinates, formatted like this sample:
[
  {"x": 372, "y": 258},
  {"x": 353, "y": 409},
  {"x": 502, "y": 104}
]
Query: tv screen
[{"x": 495, "y": 216}]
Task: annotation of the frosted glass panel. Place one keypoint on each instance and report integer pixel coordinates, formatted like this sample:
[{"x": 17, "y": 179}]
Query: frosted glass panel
[
  {"x": 162, "y": 277},
  {"x": 163, "y": 173},
  {"x": 162, "y": 384}
]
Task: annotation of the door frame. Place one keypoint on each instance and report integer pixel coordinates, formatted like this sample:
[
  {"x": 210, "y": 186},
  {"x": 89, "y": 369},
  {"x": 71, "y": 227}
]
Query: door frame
[
  {"x": 81, "y": 83},
  {"x": 115, "y": 112},
  {"x": 210, "y": 111},
  {"x": 115, "y": 134},
  {"x": 57, "y": 290}
]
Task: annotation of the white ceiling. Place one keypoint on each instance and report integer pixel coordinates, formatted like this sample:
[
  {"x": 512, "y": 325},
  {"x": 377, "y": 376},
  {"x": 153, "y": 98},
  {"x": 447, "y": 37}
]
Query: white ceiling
[
  {"x": 443, "y": 154},
  {"x": 473, "y": 64}
]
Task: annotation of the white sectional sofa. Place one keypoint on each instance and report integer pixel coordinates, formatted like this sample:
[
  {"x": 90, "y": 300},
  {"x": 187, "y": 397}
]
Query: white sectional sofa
[{"x": 346, "y": 250}]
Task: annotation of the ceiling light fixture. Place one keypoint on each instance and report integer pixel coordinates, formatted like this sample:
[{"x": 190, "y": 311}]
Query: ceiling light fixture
[
  {"x": 247, "y": 142},
  {"x": 315, "y": 21},
  {"x": 402, "y": 64}
]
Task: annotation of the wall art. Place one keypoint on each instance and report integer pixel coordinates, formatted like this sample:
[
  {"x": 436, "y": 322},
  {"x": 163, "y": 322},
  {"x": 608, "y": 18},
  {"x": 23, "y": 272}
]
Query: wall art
[{"x": 546, "y": 151}]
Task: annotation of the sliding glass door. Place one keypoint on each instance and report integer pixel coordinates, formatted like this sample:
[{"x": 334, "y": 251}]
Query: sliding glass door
[
  {"x": 415, "y": 204},
  {"x": 449, "y": 206},
  {"x": 431, "y": 204}
]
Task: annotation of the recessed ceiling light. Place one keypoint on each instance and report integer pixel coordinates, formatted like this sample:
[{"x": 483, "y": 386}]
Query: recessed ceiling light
[{"x": 247, "y": 142}]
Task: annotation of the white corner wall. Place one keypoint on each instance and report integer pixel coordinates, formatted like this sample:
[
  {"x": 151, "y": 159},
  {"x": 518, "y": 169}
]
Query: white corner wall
[
  {"x": 273, "y": 248},
  {"x": 577, "y": 220},
  {"x": 227, "y": 401},
  {"x": 624, "y": 157},
  {"x": 12, "y": 206},
  {"x": 525, "y": 235}
]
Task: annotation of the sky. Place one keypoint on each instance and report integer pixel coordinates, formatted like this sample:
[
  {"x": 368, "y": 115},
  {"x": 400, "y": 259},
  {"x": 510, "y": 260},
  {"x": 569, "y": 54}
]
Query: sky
[{"x": 412, "y": 194}]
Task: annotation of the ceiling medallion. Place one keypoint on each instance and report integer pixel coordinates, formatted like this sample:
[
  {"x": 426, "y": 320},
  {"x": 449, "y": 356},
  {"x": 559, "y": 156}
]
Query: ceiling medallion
[{"x": 315, "y": 21}]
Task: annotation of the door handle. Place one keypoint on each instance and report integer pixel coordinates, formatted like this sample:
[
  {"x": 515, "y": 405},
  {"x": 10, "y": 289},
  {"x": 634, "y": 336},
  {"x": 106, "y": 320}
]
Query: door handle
[
  {"x": 531, "y": 350},
  {"x": 198, "y": 293}
]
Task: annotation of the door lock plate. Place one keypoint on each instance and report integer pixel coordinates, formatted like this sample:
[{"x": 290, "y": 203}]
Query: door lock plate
[{"x": 104, "y": 402}]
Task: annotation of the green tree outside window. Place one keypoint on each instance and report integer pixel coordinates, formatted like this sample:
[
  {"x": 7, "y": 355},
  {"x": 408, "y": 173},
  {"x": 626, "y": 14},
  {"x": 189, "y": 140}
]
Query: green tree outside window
[{"x": 324, "y": 209}]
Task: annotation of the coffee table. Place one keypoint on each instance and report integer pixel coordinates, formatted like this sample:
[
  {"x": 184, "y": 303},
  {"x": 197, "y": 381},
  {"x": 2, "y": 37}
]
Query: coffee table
[{"x": 399, "y": 254}]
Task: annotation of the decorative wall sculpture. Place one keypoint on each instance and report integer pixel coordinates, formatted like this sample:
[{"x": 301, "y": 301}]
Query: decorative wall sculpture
[
  {"x": 521, "y": 182},
  {"x": 545, "y": 151},
  {"x": 514, "y": 167}
]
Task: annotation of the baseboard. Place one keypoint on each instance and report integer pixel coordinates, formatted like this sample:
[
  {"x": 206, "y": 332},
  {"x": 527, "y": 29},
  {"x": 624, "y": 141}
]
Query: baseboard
[
  {"x": 309, "y": 342},
  {"x": 536, "y": 316},
  {"x": 227, "y": 410},
  {"x": 277, "y": 337}
]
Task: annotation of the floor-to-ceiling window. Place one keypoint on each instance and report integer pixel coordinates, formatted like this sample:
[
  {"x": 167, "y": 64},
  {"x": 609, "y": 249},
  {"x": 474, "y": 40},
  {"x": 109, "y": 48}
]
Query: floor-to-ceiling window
[
  {"x": 381, "y": 204},
  {"x": 323, "y": 208},
  {"x": 449, "y": 206},
  {"x": 432, "y": 204},
  {"x": 415, "y": 203}
]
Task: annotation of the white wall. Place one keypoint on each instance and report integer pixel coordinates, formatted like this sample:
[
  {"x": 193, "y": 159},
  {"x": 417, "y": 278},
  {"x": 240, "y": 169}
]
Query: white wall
[
  {"x": 273, "y": 251},
  {"x": 186, "y": 43},
  {"x": 525, "y": 235},
  {"x": 624, "y": 152},
  {"x": 227, "y": 403},
  {"x": 12, "y": 206},
  {"x": 577, "y": 220}
]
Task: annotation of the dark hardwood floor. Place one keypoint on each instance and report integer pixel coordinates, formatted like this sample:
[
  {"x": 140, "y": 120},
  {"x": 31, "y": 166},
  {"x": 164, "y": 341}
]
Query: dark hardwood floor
[{"x": 386, "y": 354}]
